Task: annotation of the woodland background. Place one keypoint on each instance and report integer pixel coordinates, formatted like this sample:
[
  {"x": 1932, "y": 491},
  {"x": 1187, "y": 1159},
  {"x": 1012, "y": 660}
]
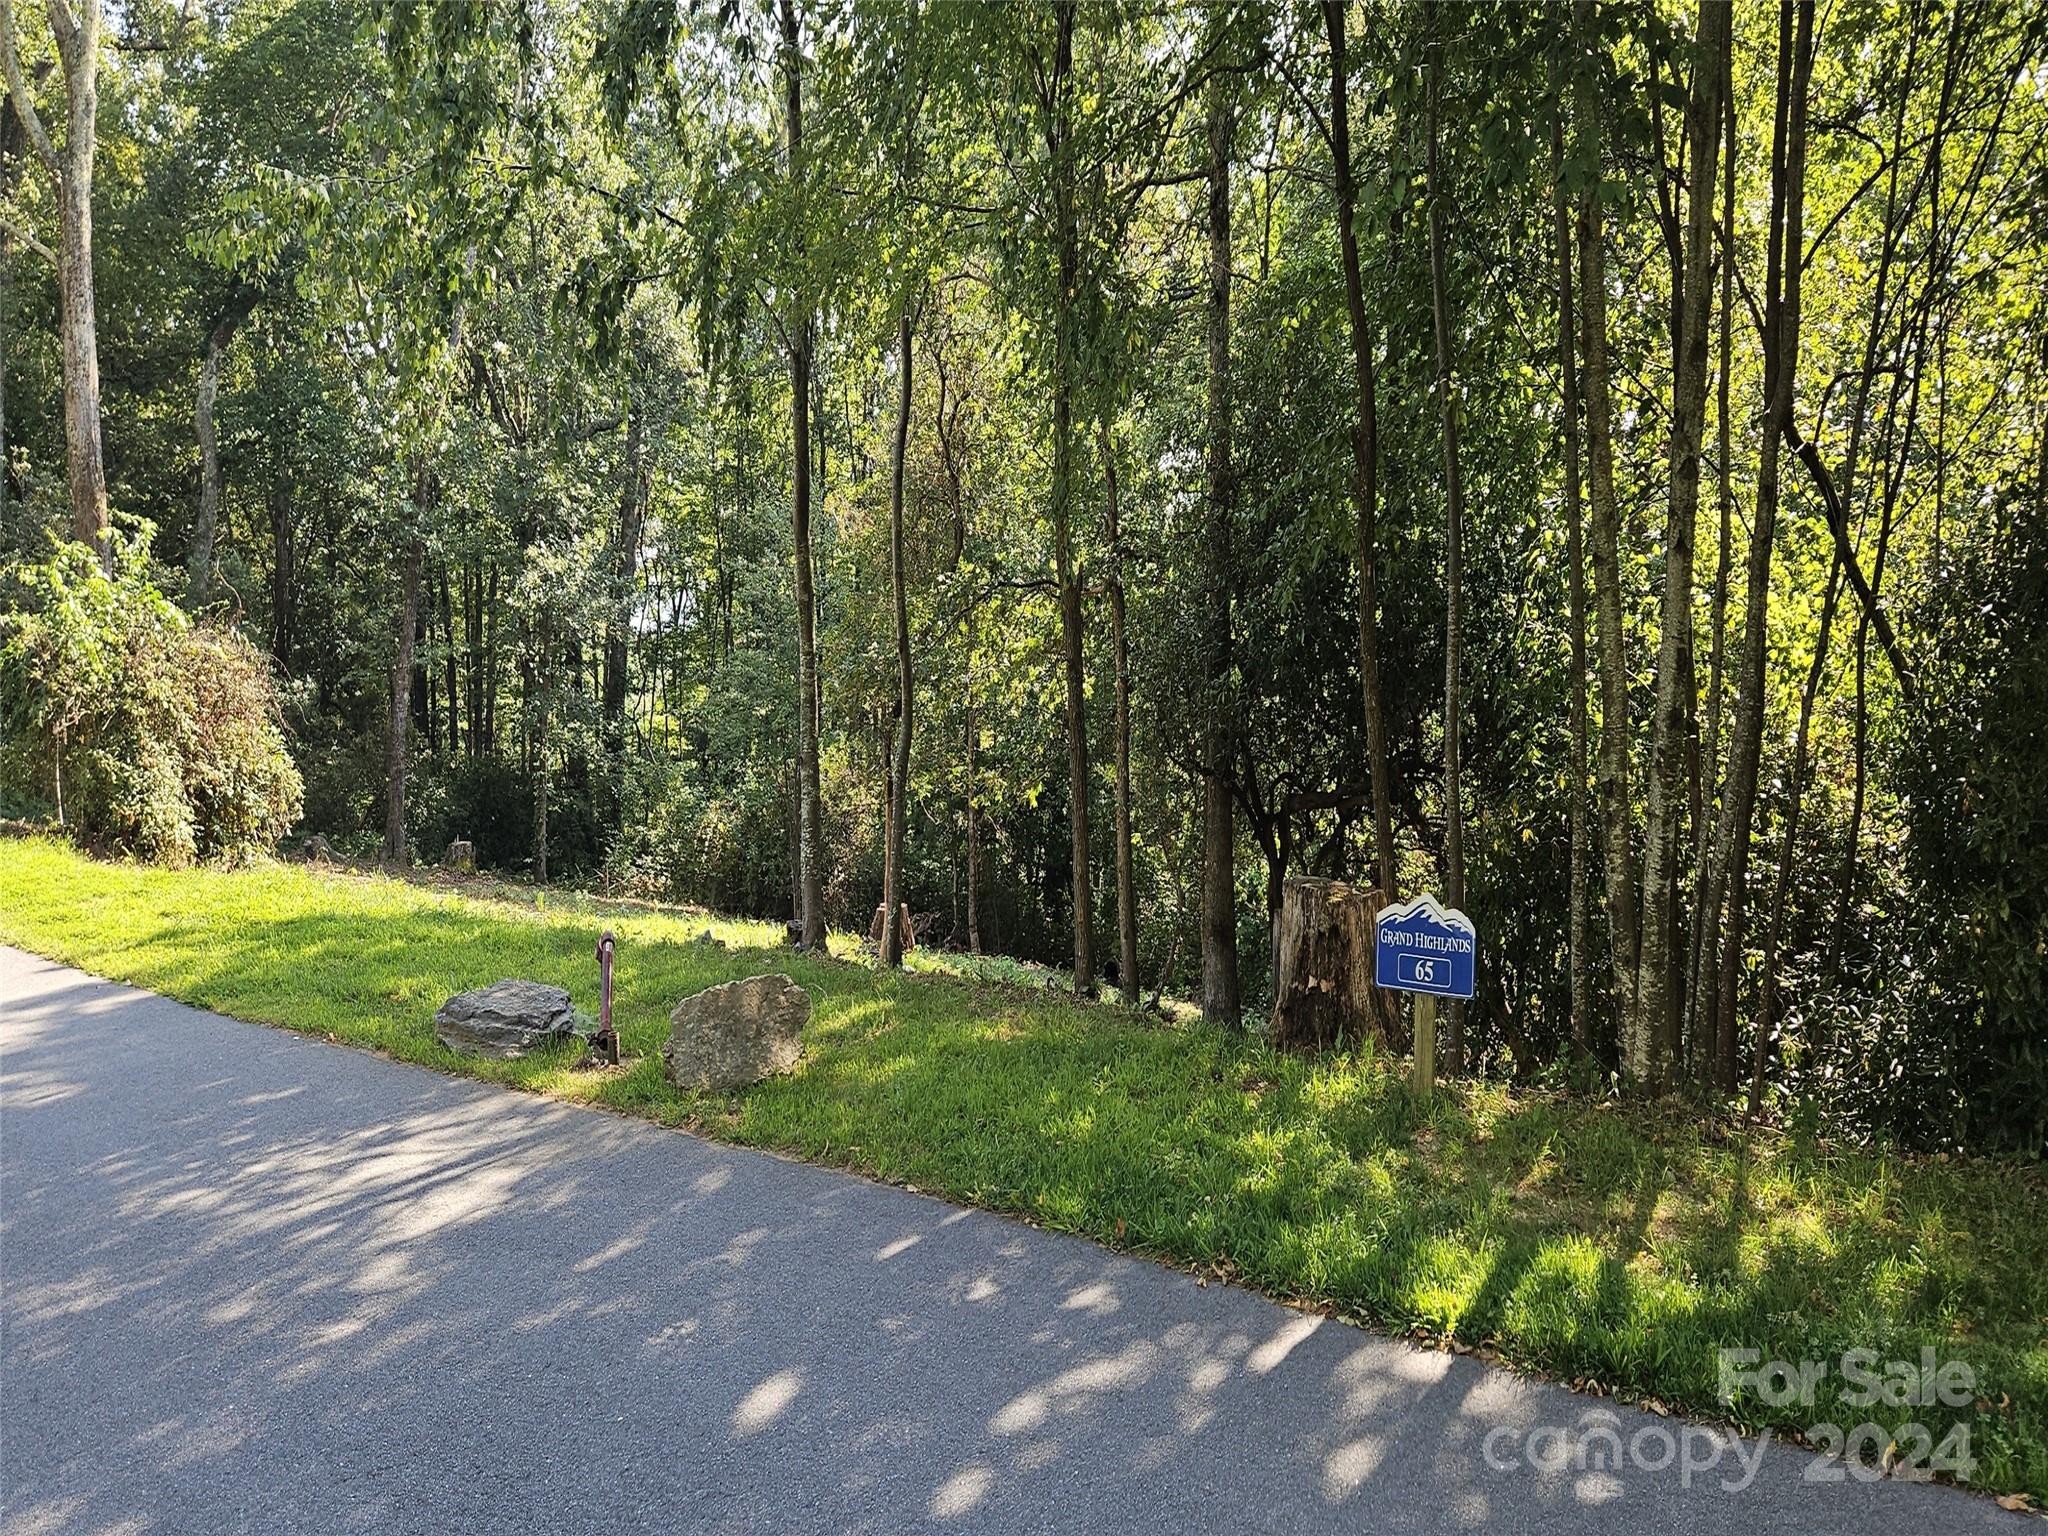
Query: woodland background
[{"x": 1071, "y": 467}]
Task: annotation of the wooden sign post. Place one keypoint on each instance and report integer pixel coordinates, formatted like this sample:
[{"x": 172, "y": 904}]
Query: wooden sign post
[{"x": 1424, "y": 1078}]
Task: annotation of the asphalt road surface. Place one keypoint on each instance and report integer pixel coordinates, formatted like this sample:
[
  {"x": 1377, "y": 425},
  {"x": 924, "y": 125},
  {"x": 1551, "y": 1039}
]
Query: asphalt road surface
[{"x": 255, "y": 1282}]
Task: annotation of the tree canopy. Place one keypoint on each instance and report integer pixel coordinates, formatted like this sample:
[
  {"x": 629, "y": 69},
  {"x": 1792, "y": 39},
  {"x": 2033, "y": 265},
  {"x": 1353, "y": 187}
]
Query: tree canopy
[{"x": 1069, "y": 468}]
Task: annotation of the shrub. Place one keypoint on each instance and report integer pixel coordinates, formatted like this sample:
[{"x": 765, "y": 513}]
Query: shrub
[
  {"x": 152, "y": 735},
  {"x": 1946, "y": 1012}
]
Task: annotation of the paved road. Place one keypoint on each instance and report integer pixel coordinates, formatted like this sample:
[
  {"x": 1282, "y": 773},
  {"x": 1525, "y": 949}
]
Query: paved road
[{"x": 254, "y": 1282}]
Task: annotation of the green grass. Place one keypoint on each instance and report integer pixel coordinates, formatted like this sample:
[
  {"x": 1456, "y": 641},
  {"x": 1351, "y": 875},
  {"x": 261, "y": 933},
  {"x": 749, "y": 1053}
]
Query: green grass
[{"x": 1597, "y": 1245}]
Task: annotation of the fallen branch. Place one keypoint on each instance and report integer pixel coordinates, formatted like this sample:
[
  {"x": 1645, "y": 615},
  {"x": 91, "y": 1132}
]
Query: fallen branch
[{"x": 1838, "y": 525}]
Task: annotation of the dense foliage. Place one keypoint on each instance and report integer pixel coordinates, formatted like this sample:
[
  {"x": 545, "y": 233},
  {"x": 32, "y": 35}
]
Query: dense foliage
[
  {"x": 509, "y": 311},
  {"x": 151, "y": 734}
]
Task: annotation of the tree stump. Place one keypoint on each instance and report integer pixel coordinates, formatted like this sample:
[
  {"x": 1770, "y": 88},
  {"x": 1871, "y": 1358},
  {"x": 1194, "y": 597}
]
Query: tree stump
[
  {"x": 902, "y": 924},
  {"x": 1324, "y": 988}
]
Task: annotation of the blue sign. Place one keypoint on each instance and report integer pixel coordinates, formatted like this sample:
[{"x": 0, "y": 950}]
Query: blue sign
[{"x": 1426, "y": 947}]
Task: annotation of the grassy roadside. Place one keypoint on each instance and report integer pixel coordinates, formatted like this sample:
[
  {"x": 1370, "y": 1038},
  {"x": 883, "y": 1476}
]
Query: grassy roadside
[{"x": 1599, "y": 1246}]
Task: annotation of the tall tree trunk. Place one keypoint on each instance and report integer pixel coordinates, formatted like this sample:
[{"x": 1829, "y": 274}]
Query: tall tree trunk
[
  {"x": 78, "y": 47},
  {"x": 899, "y": 772},
  {"x": 12, "y": 138},
  {"x": 810, "y": 832},
  {"x": 75, "y": 24},
  {"x": 468, "y": 582},
  {"x": 1781, "y": 362},
  {"x": 425, "y": 721},
  {"x": 794, "y": 824},
  {"x": 1222, "y": 998},
  {"x": 449, "y": 666},
  {"x": 6, "y": 309},
  {"x": 1892, "y": 474},
  {"x": 973, "y": 838},
  {"x": 490, "y": 600},
  {"x": 1454, "y": 537},
  {"x": 1615, "y": 813},
  {"x": 1767, "y": 977},
  {"x": 1065, "y": 348},
  {"x": 1364, "y": 452},
  {"x": 945, "y": 422},
  {"x": 401, "y": 698},
  {"x": 1575, "y": 555},
  {"x": 542, "y": 695},
  {"x": 283, "y": 573},
  {"x": 199, "y": 560},
  {"x": 1126, "y": 877},
  {"x": 1708, "y": 875},
  {"x": 1648, "y": 1046},
  {"x": 1887, "y": 254},
  {"x": 618, "y": 627}
]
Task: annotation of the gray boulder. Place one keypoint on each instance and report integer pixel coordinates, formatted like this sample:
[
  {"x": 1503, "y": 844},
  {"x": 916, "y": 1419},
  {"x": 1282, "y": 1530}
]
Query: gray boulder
[
  {"x": 317, "y": 850},
  {"x": 727, "y": 1037},
  {"x": 506, "y": 1019}
]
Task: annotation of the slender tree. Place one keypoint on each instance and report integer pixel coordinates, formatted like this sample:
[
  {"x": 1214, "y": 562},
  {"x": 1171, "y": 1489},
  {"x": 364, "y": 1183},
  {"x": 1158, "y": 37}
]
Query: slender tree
[
  {"x": 1221, "y": 998},
  {"x": 634, "y": 489},
  {"x": 200, "y": 562},
  {"x": 1575, "y": 557},
  {"x": 1615, "y": 812},
  {"x": 1648, "y": 1041},
  {"x": 799, "y": 329},
  {"x": 1059, "y": 120},
  {"x": 404, "y": 633},
  {"x": 1126, "y": 873},
  {"x": 75, "y": 27},
  {"x": 1708, "y": 893},
  {"x": 1783, "y": 270},
  {"x": 1364, "y": 450},
  {"x": 1454, "y": 535},
  {"x": 1774, "y": 928},
  {"x": 540, "y": 695},
  {"x": 906, "y": 694}
]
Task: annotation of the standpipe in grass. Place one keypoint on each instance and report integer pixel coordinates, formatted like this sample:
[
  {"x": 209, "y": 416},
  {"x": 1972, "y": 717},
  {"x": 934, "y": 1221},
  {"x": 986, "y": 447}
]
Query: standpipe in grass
[{"x": 605, "y": 1044}]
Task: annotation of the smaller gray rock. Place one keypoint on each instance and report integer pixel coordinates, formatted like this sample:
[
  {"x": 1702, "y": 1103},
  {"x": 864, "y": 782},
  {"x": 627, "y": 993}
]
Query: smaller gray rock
[
  {"x": 317, "y": 850},
  {"x": 460, "y": 857},
  {"x": 729, "y": 1036},
  {"x": 505, "y": 1020}
]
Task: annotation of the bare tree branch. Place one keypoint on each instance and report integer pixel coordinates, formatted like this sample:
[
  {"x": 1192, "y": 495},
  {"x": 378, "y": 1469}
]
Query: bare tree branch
[
  {"x": 10, "y": 225},
  {"x": 17, "y": 90}
]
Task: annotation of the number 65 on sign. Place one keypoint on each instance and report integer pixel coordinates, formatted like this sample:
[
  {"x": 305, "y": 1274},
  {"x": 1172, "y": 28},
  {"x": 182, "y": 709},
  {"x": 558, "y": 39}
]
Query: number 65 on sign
[{"x": 1426, "y": 947}]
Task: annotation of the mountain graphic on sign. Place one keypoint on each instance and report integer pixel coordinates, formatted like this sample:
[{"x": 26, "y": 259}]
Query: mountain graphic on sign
[{"x": 1425, "y": 914}]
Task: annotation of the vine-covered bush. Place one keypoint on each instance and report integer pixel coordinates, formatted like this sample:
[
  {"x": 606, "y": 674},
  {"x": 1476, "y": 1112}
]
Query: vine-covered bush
[{"x": 138, "y": 729}]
